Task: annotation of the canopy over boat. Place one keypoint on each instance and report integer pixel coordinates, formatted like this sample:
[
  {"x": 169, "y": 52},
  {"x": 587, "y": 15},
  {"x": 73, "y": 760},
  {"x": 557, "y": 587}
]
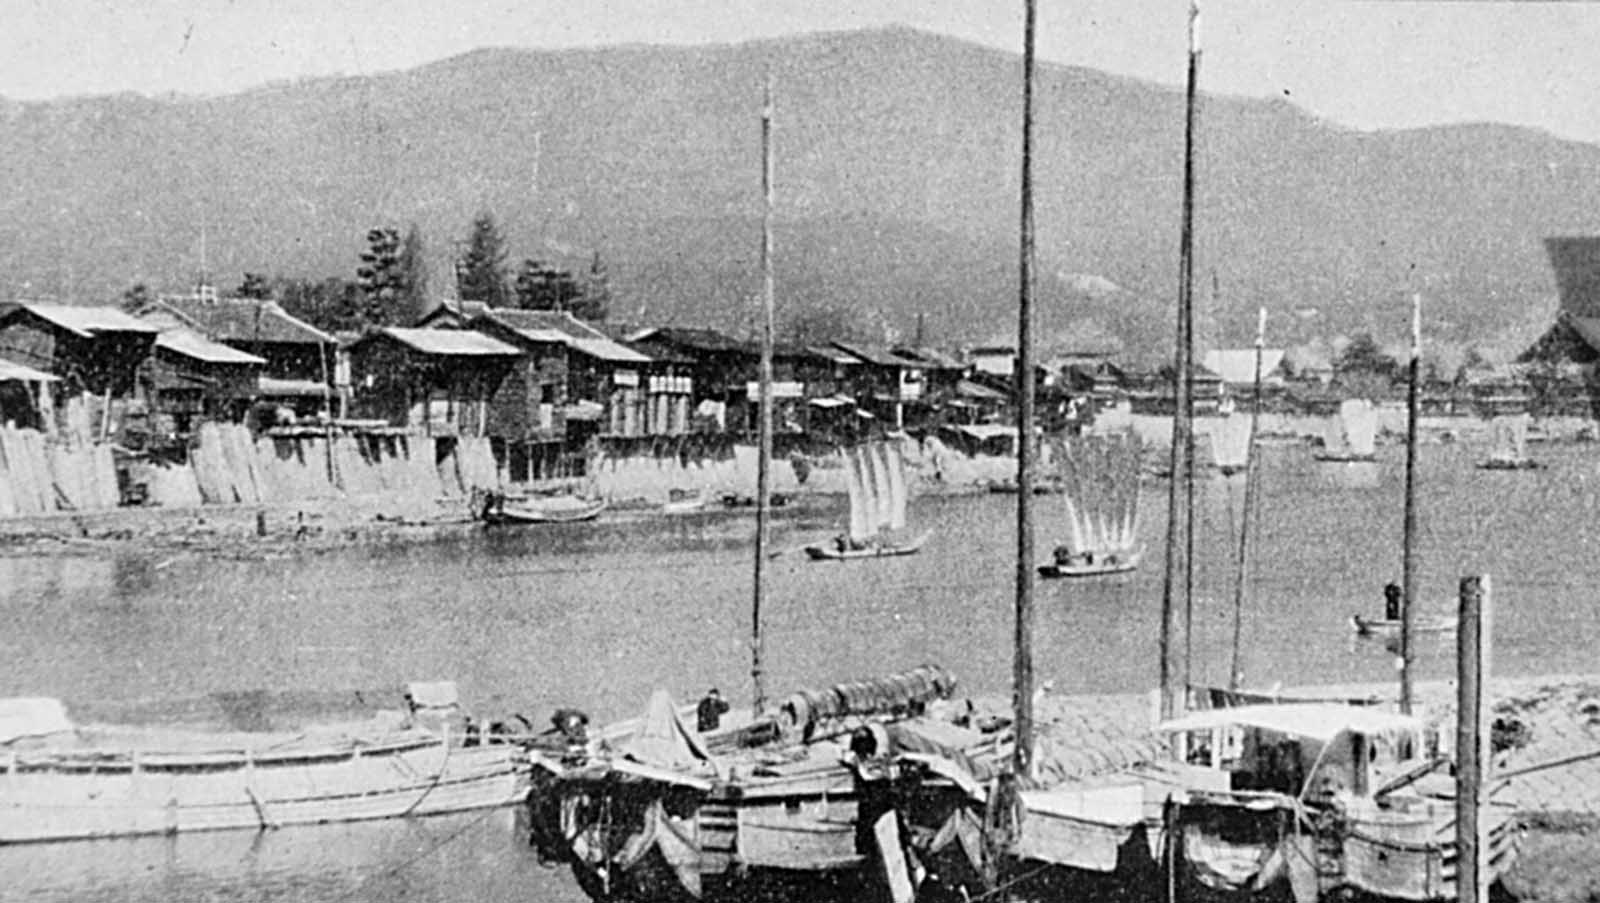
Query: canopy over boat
[
  {"x": 1312, "y": 721},
  {"x": 35, "y": 716}
]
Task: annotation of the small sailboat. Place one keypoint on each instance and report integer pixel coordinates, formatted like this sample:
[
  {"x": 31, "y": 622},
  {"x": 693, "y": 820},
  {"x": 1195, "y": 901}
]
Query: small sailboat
[
  {"x": 1510, "y": 444},
  {"x": 1352, "y": 435},
  {"x": 1100, "y": 480},
  {"x": 1230, "y": 443},
  {"x": 875, "y": 476}
]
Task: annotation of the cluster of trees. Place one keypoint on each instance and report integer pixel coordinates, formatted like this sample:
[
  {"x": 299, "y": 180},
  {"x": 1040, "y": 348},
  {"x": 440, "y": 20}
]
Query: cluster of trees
[
  {"x": 390, "y": 287},
  {"x": 482, "y": 275}
]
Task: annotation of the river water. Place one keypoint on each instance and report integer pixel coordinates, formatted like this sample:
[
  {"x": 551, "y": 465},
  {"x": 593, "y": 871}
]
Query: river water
[{"x": 599, "y": 614}]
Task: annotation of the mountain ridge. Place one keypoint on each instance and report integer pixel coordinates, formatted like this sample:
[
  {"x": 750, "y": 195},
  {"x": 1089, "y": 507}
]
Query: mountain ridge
[{"x": 896, "y": 168}]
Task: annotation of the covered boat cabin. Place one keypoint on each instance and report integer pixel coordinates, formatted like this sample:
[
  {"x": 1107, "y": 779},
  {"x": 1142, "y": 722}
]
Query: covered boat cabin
[{"x": 1305, "y": 750}]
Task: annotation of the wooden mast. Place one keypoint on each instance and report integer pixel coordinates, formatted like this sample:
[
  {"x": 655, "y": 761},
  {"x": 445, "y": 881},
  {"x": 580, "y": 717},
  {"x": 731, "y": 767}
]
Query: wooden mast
[
  {"x": 1234, "y": 672},
  {"x": 1180, "y": 518},
  {"x": 1408, "y": 563},
  {"x": 1022, "y": 678},
  {"x": 764, "y": 440}
]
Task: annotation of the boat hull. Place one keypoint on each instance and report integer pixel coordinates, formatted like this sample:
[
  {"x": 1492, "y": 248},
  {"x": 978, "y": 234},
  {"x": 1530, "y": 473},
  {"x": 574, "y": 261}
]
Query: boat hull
[
  {"x": 882, "y": 550},
  {"x": 80, "y": 797},
  {"x": 1415, "y": 859},
  {"x": 1383, "y": 627},
  {"x": 1109, "y": 564},
  {"x": 1510, "y": 464},
  {"x": 527, "y": 514}
]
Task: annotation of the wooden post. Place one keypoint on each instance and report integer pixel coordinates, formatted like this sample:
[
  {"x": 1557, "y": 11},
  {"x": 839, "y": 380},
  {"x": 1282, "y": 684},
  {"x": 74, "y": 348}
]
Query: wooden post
[
  {"x": 1022, "y": 651},
  {"x": 764, "y": 439},
  {"x": 1408, "y": 561},
  {"x": 1472, "y": 747},
  {"x": 1180, "y": 515}
]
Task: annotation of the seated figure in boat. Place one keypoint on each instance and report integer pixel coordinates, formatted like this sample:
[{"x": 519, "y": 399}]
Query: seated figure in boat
[{"x": 1067, "y": 555}]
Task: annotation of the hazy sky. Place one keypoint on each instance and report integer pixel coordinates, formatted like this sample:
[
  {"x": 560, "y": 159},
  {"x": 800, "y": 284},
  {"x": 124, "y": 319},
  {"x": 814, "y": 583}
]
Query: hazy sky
[{"x": 1378, "y": 63}]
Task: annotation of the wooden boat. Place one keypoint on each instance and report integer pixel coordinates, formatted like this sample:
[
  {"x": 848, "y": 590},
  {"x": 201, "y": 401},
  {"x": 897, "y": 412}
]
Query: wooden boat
[
  {"x": 1321, "y": 798},
  {"x": 651, "y": 809},
  {"x": 1364, "y": 626},
  {"x": 547, "y": 509},
  {"x": 60, "y": 781},
  {"x": 1100, "y": 477},
  {"x": 1088, "y": 564},
  {"x": 1352, "y": 433},
  {"x": 1510, "y": 445},
  {"x": 875, "y": 477},
  {"x": 685, "y": 502}
]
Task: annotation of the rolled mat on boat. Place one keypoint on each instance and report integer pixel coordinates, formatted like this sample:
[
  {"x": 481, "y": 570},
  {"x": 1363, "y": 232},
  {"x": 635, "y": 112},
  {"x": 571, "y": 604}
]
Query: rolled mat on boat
[{"x": 899, "y": 693}]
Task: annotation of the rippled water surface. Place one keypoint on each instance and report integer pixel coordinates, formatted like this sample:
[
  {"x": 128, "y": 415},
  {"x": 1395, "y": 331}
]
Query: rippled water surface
[{"x": 599, "y": 614}]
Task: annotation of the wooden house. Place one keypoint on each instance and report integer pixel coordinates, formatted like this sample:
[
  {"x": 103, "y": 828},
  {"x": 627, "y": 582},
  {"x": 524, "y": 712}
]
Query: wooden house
[
  {"x": 301, "y": 366},
  {"x": 887, "y": 383},
  {"x": 26, "y": 400},
  {"x": 435, "y": 382},
  {"x": 96, "y": 352},
  {"x": 605, "y": 388},
  {"x": 190, "y": 379}
]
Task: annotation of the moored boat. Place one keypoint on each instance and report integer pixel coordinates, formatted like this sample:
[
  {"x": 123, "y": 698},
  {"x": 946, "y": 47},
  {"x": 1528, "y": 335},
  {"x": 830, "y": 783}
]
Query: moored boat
[
  {"x": 1365, "y": 626},
  {"x": 548, "y": 509},
  {"x": 651, "y": 809},
  {"x": 61, "y": 781}
]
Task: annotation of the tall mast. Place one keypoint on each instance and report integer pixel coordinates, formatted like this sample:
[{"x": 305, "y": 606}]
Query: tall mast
[
  {"x": 1022, "y": 678},
  {"x": 1234, "y": 671},
  {"x": 764, "y": 442},
  {"x": 1180, "y": 520},
  {"x": 1408, "y": 541}
]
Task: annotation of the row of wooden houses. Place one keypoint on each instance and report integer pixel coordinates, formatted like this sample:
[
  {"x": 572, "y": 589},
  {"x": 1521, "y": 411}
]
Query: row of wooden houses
[{"x": 545, "y": 386}]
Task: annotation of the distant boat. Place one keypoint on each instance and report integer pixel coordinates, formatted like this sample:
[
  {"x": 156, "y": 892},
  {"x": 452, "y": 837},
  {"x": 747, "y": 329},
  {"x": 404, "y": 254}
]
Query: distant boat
[
  {"x": 1230, "y": 443},
  {"x": 1352, "y": 434},
  {"x": 1510, "y": 444},
  {"x": 1100, "y": 480},
  {"x": 69, "y": 782},
  {"x": 545, "y": 509},
  {"x": 875, "y": 475},
  {"x": 1364, "y": 626},
  {"x": 682, "y": 501}
]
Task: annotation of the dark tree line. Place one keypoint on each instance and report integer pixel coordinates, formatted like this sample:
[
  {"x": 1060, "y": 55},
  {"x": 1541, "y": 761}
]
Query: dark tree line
[{"x": 481, "y": 275}]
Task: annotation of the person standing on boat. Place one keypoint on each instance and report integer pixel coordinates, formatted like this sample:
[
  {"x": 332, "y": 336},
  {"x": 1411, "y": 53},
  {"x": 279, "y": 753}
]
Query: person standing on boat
[
  {"x": 1391, "y": 602},
  {"x": 708, "y": 714}
]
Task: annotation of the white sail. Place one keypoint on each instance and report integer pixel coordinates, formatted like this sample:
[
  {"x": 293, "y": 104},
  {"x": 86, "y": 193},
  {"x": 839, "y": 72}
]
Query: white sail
[
  {"x": 895, "y": 468},
  {"x": 1510, "y": 439},
  {"x": 860, "y": 503},
  {"x": 1100, "y": 483},
  {"x": 1230, "y": 442},
  {"x": 1333, "y": 440},
  {"x": 1360, "y": 423}
]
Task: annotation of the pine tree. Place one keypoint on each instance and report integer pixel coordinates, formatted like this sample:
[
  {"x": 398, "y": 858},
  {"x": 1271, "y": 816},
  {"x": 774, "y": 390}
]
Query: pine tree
[
  {"x": 595, "y": 302},
  {"x": 540, "y": 286},
  {"x": 480, "y": 273},
  {"x": 255, "y": 287},
  {"x": 413, "y": 265},
  {"x": 380, "y": 278}
]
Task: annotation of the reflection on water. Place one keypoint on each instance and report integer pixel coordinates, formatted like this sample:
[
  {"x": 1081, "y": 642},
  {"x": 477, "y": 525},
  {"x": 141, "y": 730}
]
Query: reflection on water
[
  {"x": 598, "y": 614},
  {"x": 478, "y": 856}
]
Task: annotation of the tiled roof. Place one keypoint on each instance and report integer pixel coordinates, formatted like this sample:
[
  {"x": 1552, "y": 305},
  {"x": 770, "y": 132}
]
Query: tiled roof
[
  {"x": 690, "y": 337},
  {"x": 85, "y": 321},
  {"x": 564, "y": 328},
  {"x": 192, "y": 344},
  {"x": 1239, "y": 365},
  {"x": 882, "y": 357},
  {"x": 448, "y": 342},
  {"x": 246, "y": 320}
]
